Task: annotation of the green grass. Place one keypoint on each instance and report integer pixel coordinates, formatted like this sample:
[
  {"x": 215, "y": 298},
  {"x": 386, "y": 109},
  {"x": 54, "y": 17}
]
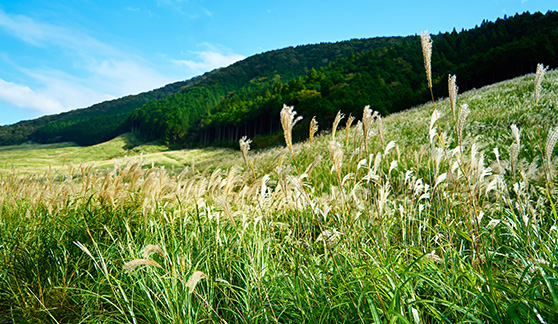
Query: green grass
[
  {"x": 34, "y": 158},
  {"x": 419, "y": 232}
]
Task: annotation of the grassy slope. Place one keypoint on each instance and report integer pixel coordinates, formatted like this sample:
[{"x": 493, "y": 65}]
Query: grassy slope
[
  {"x": 33, "y": 158},
  {"x": 438, "y": 236}
]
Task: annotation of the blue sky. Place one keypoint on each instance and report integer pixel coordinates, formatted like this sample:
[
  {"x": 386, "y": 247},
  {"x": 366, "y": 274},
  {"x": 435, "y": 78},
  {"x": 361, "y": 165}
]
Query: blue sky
[{"x": 66, "y": 54}]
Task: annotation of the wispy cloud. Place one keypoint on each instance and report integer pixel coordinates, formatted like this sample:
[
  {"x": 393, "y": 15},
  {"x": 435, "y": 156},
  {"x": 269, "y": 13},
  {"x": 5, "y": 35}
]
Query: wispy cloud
[
  {"x": 99, "y": 71},
  {"x": 176, "y": 5},
  {"x": 144, "y": 11},
  {"x": 209, "y": 60},
  {"x": 43, "y": 34},
  {"x": 185, "y": 7},
  {"x": 24, "y": 97}
]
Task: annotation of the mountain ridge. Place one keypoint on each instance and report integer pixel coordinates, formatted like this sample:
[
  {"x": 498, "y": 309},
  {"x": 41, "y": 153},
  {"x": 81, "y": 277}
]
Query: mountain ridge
[{"x": 384, "y": 70}]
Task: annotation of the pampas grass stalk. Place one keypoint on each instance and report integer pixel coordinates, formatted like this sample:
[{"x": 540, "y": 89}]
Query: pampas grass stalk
[
  {"x": 313, "y": 130},
  {"x": 336, "y": 157},
  {"x": 150, "y": 249},
  {"x": 549, "y": 147},
  {"x": 381, "y": 130},
  {"x": 367, "y": 120},
  {"x": 452, "y": 90},
  {"x": 244, "y": 148},
  {"x": 515, "y": 147},
  {"x": 288, "y": 121},
  {"x": 194, "y": 279},
  {"x": 129, "y": 267},
  {"x": 426, "y": 44},
  {"x": 348, "y": 129},
  {"x": 336, "y": 122},
  {"x": 336, "y": 153},
  {"x": 541, "y": 70},
  {"x": 463, "y": 113}
]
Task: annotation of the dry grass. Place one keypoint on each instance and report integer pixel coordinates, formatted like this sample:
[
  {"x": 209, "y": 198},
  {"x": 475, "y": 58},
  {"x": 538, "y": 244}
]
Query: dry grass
[{"x": 422, "y": 217}]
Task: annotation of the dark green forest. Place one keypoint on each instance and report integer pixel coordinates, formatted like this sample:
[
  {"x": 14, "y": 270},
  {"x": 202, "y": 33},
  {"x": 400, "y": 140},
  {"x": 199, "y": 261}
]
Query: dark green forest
[{"x": 245, "y": 98}]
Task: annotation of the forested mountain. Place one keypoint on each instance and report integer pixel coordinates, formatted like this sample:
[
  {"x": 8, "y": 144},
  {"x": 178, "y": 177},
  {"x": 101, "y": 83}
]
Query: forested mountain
[
  {"x": 391, "y": 78},
  {"x": 86, "y": 126},
  {"x": 108, "y": 119},
  {"x": 246, "y": 97}
]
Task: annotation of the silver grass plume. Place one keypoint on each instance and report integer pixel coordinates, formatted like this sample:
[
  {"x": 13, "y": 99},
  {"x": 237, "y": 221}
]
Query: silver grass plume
[
  {"x": 433, "y": 120},
  {"x": 550, "y": 143},
  {"x": 367, "y": 120},
  {"x": 129, "y": 267},
  {"x": 311, "y": 167},
  {"x": 245, "y": 147},
  {"x": 452, "y": 90},
  {"x": 426, "y": 43},
  {"x": 515, "y": 147},
  {"x": 244, "y": 143},
  {"x": 348, "y": 129},
  {"x": 337, "y": 157},
  {"x": 463, "y": 113},
  {"x": 313, "y": 130},
  {"x": 541, "y": 69},
  {"x": 194, "y": 279},
  {"x": 336, "y": 122},
  {"x": 150, "y": 249},
  {"x": 380, "y": 130},
  {"x": 288, "y": 121}
]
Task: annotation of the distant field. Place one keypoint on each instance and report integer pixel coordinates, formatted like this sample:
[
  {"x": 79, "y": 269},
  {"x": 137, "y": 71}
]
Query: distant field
[{"x": 34, "y": 158}]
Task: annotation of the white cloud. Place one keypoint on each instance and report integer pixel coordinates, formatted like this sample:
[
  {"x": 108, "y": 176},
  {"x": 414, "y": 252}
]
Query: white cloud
[
  {"x": 209, "y": 60},
  {"x": 173, "y": 4},
  {"x": 95, "y": 71},
  {"x": 70, "y": 91},
  {"x": 126, "y": 76},
  {"x": 24, "y": 97},
  {"x": 42, "y": 34}
]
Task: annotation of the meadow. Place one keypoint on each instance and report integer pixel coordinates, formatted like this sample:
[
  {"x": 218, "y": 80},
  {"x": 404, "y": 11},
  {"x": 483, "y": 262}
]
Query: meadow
[{"x": 444, "y": 213}]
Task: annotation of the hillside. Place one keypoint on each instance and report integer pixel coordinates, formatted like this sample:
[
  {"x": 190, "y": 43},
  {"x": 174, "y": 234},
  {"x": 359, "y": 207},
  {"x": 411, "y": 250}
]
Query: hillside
[
  {"x": 106, "y": 120},
  {"x": 244, "y": 98},
  {"x": 389, "y": 78}
]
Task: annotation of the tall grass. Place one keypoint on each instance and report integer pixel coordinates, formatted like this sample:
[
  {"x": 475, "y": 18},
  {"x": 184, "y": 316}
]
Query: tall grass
[{"x": 441, "y": 220}]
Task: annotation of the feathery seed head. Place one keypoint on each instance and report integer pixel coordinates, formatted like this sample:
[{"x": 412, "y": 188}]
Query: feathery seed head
[
  {"x": 150, "y": 248},
  {"x": 245, "y": 147},
  {"x": 367, "y": 120},
  {"x": 194, "y": 279},
  {"x": 132, "y": 265},
  {"x": 380, "y": 129},
  {"x": 288, "y": 121},
  {"x": 336, "y": 156},
  {"x": 348, "y": 128},
  {"x": 313, "y": 129},
  {"x": 550, "y": 143},
  {"x": 452, "y": 89},
  {"x": 435, "y": 116},
  {"x": 463, "y": 113},
  {"x": 541, "y": 69},
  {"x": 433, "y": 119},
  {"x": 336, "y": 122},
  {"x": 426, "y": 43},
  {"x": 515, "y": 133},
  {"x": 311, "y": 167},
  {"x": 515, "y": 147}
]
